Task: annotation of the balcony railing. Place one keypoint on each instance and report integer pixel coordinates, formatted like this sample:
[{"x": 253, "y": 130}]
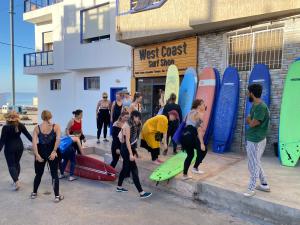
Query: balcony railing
[
  {"x": 135, "y": 6},
  {"x": 38, "y": 59},
  {"x": 30, "y": 5}
]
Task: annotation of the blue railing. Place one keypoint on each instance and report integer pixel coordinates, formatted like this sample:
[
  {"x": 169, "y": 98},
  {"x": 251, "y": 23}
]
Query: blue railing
[
  {"x": 30, "y": 5},
  {"x": 38, "y": 59}
]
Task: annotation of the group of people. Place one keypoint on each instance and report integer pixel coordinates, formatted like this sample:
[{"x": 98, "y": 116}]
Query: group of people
[{"x": 125, "y": 116}]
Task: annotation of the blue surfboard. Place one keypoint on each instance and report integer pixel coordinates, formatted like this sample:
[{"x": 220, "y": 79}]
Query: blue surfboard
[
  {"x": 261, "y": 75},
  {"x": 226, "y": 111},
  {"x": 187, "y": 90}
]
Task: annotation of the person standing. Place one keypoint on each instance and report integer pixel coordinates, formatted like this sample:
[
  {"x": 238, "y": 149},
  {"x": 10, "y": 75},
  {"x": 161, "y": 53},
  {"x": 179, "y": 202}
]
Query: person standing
[
  {"x": 258, "y": 122},
  {"x": 116, "y": 108},
  {"x": 116, "y": 144},
  {"x": 46, "y": 139},
  {"x": 136, "y": 105},
  {"x": 192, "y": 138},
  {"x": 154, "y": 133},
  {"x": 103, "y": 116},
  {"x": 13, "y": 145},
  {"x": 172, "y": 125},
  {"x": 130, "y": 133},
  {"x": 126, "y": 100}
]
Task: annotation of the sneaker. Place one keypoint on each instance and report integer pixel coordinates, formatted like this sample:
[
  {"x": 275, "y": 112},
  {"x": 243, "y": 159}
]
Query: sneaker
[
  {"x": 106, "y": 140},
  {"x": 16, "y": 186},
  {"x": 71, "y": 178},
  {"x": 59, "y": 198},
  {"x": 120, "y": 189},
  {"x": 249, "y": 193},
  {"x": 145, "y": 195},
  {"x": 156, "y": 162},
  {"x": 33, "y": 195},
  {"x": 61, "y": 176},
  {"x": 263, "y": 187},
  {"x": 186, "y": 177},
  {"x": 197, "y": 171},
  {"x": 98, "y": 141}
]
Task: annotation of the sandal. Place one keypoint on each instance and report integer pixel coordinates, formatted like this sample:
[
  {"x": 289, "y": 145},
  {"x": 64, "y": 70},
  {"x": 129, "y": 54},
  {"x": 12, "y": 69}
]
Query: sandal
[
  {"x": 165, "y": 152},
  {"x": 33, "y": 195},
  {"x": 58, "y": 198}
]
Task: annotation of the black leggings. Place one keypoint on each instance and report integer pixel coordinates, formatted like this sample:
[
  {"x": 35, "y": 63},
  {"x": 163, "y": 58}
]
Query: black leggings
[
  {"x": 13, "y": 163},
  {"x": 190, "y": 141},
  {"x": 153, "y": 151},
  {"x": 39, "y": 171},
  {"x": 129, "y": 167},
  {"x": 115, "y": 157},
  {"x": 103, "y": 120}
]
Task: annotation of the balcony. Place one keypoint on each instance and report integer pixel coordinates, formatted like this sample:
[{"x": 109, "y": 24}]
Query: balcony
[
  {"x": 31, "y": 5},
  {"x": 38, "y": 59}
]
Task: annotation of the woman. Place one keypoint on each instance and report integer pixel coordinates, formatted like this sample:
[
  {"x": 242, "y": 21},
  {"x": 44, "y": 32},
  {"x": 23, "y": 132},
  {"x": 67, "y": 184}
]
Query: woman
[
  {"x": 13, "y": 145},
  {"x": 155, "y": 131},
  {"x": 46, "y": 139},
  {"x": 116, "y": 144},
  {"x": 126, "y": 100},
  {"x": 129, "y": 136},
  {"x": 192, "y": 138},
  {"x": 136, "y": 105},
  {"x": 172, "y": 126},
  {"x": 116, "y": 108},
  {"x": 103, "y": 116},
  {"x": 74, "y": 128}
]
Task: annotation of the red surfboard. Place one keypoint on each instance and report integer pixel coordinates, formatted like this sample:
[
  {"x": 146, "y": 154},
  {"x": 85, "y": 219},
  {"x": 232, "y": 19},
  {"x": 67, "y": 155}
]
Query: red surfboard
[
  {"x": 92, "y": 167},
  {"x": 206, "y": 91}
]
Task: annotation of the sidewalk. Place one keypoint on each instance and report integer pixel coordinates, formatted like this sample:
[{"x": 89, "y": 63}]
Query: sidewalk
[{"x": 225, "y": 179}]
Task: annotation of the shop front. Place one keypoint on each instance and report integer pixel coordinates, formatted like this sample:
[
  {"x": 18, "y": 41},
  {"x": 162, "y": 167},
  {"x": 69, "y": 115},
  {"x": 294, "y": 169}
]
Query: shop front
[{"x": 150, "y": 65}]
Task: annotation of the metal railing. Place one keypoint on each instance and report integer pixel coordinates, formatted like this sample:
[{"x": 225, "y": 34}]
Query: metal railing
[
  {"x": 30, "y": 5},
  {"x": 38, "y": 59},
  {"x": 135, "y": 6}
]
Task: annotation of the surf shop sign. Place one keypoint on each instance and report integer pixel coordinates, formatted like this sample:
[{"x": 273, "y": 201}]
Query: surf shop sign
[{"x": 154, "y": 60}]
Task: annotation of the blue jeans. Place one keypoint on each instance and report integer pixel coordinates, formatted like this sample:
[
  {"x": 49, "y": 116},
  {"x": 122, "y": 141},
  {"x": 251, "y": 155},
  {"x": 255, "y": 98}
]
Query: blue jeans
[{"x": 70, "y": 154}]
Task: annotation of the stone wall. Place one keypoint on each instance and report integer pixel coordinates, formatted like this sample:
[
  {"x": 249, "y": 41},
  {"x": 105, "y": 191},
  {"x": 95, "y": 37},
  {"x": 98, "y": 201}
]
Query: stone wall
[{"x": 213, "y": 52}]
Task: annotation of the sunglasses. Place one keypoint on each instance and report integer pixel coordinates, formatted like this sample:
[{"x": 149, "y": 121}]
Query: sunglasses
[{"x": 104, "y": 96}]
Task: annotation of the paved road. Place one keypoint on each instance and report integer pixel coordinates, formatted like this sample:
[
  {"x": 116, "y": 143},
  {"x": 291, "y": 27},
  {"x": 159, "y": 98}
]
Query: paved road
[{"x": 89, "y": 202}]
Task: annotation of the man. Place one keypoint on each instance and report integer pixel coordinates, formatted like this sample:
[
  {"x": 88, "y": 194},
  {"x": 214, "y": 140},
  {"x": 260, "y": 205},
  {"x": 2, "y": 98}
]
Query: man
[{"x": 258, "y": 122}]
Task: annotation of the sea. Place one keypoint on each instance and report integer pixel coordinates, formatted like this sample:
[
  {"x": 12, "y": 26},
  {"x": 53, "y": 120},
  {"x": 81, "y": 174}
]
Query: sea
[{"x": 22, "y": 98}]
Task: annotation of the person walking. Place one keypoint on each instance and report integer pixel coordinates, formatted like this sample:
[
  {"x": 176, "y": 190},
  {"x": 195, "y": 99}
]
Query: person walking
[
  {"x": 258, "y": 122},
  {"x": 174, "y": 124},
  {"x": 103, "y": 116},
  {"x": 46, "y": 139},
  {"x": 192, "y": 138},
  {"x": 116, "y": 108},
  {"x": 129, "y": 138},
  {"x": 13, "y": 146},
  {"x": 116, "y": 144},
  {"x": 154, "y": 134}
]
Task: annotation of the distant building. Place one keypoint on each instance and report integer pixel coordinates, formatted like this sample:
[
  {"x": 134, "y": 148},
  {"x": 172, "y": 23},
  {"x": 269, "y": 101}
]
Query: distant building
[{"x": 77, "y": 57}]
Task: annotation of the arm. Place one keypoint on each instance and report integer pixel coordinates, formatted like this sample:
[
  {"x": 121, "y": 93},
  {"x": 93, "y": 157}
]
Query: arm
[
  {"x": 200, "y": 136},
  {"x": 26, "y": 133},
  {"x": 180, "y": 114},
  {"x": 97, "y": 108},
  {"x": 164, "y": 141},
  {"x": 34, "y": 145},
  {"x": 127, "y": 140},
  {"x": 253, "y": 123},
  {"x": 258, "y": 116},
  {"x": 58, "y": 134},
  {"x": 3, "y": 138},
  {"x": 112, "y": 111},
  {"x": 71, "y": 122}
]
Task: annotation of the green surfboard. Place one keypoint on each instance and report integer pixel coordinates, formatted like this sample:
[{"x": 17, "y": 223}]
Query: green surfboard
[
  {"x": 289, "y": 130},
  {"x": 170, "y": 168}
]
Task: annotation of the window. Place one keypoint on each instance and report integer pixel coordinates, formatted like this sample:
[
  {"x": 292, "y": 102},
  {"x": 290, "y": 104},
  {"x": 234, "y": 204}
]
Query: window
[
  {"x": 95, "y": 24},
  {"x": 55, "y": 84},
  {"x": 47, "y": 41},
  {"x": 92, "y": 83},
  {"x": 245, "y": 50}
]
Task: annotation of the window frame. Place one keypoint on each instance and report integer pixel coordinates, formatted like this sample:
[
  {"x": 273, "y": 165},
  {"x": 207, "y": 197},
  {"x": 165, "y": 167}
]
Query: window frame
[
  {"x": 51, "y": 85},
  {"x": 104, "y": 37},
  {"x": 85, "y": 83}
]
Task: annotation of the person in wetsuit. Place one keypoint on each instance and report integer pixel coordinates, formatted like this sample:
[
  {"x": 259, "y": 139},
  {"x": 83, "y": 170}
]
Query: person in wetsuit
[{"x": 13, "y": 145}]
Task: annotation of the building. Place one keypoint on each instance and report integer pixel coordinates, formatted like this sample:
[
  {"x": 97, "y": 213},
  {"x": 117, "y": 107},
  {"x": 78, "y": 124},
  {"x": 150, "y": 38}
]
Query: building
[
  {"x": 216, "y": 33},
  {"x": 77, "y": 57}
]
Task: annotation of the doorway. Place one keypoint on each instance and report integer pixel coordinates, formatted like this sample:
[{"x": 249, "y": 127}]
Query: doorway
[{"x": 113, "y": 92}]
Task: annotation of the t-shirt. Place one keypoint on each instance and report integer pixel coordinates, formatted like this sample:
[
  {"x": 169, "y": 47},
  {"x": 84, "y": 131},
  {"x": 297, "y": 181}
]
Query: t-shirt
[{"x": 261, "y": 113}]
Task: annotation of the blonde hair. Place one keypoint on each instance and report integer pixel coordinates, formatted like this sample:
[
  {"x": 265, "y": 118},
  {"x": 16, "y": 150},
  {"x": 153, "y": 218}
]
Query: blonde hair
[{"x": 46, "y": 115}]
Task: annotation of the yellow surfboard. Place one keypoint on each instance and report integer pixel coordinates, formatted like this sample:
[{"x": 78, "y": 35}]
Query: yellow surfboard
[{"x": 172, "y": 83}]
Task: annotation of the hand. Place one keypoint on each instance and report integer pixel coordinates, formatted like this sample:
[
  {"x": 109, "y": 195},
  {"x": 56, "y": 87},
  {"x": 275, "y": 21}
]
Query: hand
[
  {"x": 132, "y": 158},
  {"x": 118, "y": 152},
  {"x": 203, "y": 148},
  {"x": 53, "y": 155},
  {"x": 248, "y": 120},
  {"x": 39, "y": 158}
]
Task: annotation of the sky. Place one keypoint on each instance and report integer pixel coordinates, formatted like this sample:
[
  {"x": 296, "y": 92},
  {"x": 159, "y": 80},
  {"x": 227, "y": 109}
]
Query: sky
[{"x": 24, "y": 36}]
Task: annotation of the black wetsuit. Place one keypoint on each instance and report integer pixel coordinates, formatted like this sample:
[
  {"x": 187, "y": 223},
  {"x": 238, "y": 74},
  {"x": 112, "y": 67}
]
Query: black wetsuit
[
  {"x": 116, "y": 144},
  {"x": 13, "y": 147},
  {"x": 116, "y": 112}
]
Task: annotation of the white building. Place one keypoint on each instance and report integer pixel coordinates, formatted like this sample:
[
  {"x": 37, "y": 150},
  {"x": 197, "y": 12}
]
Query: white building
[{"x": 77, "y": 57}]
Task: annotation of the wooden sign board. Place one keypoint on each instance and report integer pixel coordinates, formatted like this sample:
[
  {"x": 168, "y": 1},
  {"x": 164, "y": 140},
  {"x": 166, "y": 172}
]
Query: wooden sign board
[{"x": 154, "y": 60}]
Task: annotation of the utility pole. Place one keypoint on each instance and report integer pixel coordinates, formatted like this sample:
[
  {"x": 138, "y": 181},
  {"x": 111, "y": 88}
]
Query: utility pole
[{"x": 12, "y": 51}]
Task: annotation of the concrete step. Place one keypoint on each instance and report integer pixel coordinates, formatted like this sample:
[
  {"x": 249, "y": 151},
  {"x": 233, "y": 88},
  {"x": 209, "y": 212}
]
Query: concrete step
[{"x": 256, "y": 207}]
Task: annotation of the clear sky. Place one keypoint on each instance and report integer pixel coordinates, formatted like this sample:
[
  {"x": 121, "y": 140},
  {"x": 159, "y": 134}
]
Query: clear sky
[{"x": 24, "y": 36}]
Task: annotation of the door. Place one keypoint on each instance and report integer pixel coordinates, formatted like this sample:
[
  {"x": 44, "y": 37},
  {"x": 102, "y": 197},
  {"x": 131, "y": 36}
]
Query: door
[
  {"x": 113, "y": 92},
  {"x": 156, "y": 97}
]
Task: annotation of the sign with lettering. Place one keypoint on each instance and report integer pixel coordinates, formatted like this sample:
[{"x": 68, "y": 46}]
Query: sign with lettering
[{"x": 154, "y": 60}]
